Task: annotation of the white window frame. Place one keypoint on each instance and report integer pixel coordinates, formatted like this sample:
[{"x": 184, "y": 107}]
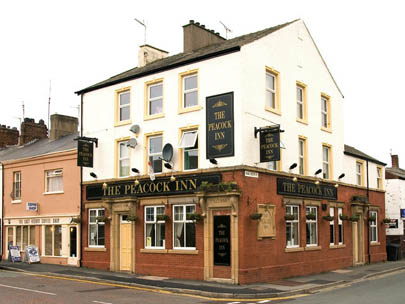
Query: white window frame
[
  {"x": 53, "y": 227},
  {"x": 301, "y": 156},
  {"x": 123, "y": 144},
  {"x": 184, "y": 220},
  {"x": 17, "y": 186},
  {"x": 291, "y": 243},
  {"x": 271, "y": 91},
  {"x": 158, "y": 154},
  {"x": 273, "y": 165},
  {"x": 187, "y": 148},
  {"x": 332, "y": 227},
  {"x": 340, "y": 227},
  {"x": 154, "y": 222},
  {"x": 184, "y": 104},
  {"x": 324, "y": 112},
  {"x": 373, "y": 227},
  {"x": 310, "y": 226},
  {"x": 325, "y": 162},
  {"x": 379, "y": 179},
  {"x": 300, "y": 103},
  {"x": 150, "y": 99},
  {"x": 120, "y": 106},
  {"x": 359, "y": 173},
  {"x": 49, "y": 174},
  {"x": 96, "y": 223}
]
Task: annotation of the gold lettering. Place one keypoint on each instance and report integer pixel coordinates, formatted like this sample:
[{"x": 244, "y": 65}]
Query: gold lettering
[
  {"x": 150, "y": 187},
  {"x": 219, "y": 115},
  {"x": 183, "y": 185},
  {"x": 219, "y": 135},
  {"x": 110, "y": 190},
  {"x": 127, "y": 187},
  {"x": 193, "y": 183},
  {"x": 166, "y": 186},
  {"x": 117, "y": 190},
  {"x": 133, "y": 191},
  {"x": 159, "y": 187}
]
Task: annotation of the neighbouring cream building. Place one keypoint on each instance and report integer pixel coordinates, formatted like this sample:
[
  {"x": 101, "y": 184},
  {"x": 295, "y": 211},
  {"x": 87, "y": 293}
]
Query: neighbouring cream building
[
  {"x": 41, "y": 193},
  {"x": 214, "y": 207}
]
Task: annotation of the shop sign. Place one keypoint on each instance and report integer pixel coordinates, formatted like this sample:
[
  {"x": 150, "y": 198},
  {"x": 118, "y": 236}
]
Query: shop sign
[
  {"x": 220, "y": 126},
  {"x": 14, "y": 254},
  {"x": 31, "y": 254},
  {"x": 31, "y": 206},
  {"x": 270, "y": 144},
  {"x": 306, "y": 189},
  {"x": 222, "y": 240},
  {"x": 84, "y": 153},
  {"x": 402, "y": 213},
  {"x": 158, "y": 187}
]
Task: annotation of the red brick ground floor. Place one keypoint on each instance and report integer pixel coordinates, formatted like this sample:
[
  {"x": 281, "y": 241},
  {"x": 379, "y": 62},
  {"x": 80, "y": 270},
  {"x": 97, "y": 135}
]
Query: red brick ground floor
[{"x": 238, "y": 225}]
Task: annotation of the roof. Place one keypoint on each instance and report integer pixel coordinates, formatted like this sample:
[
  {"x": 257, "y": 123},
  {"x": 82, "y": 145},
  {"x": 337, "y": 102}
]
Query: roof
[
  {"x": 400, "y": 173},
  {"x": 349, "y": 150},
  {"x": 215, "y": 50},
  {"x": 39, "y": 147}
]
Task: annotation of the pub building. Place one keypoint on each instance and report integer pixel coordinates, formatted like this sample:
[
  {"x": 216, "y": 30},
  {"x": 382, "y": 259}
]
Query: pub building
[{"x": 214, "y": 180}]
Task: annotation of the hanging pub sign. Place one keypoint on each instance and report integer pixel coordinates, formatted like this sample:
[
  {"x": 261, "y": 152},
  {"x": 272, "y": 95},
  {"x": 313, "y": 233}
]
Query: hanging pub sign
[
  {"x": 402, "y": 213},
  {"x": 306, "y": 189},
  {"x": 270, "y": 144},
  {"x": 84, "y": 153},
  {"x": 220, "y": 126}
]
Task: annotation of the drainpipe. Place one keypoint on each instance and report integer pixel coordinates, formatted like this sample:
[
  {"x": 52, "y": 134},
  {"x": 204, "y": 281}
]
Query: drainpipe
[
  {"x": 81, "y": 183},
  {"x": 2, "y": 208},
  {"x": 368, "y": 215}
]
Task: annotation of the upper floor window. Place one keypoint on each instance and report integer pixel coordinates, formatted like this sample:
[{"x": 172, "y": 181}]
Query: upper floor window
[
  {"x": 123, "y": 159},
  {"x": 359, "y": 173},
  {"x": 188, "y": 91},
  {"x": 301, "y": 103},
  {"x": 273, "y": 165},
  {"x": 155, "y": 144},
  {"x": 54, "y": 180},
  {"x": 326, "y": 162},
  {"x": 17, "y": 185},
  {"x": 96, "y": 227},
  {"x": 379, "y": 178},
  {"x": 155, "y": 98},
  {"x": 154, "y": 229},
  {"x": 123, "y": 107},
  {"x": 183, "y": 228},
  {"x": 301, "y": 156},
  {"x": 325, "y": 112},
  {"x": 189, "y": 144},
  {"x": 272, "y": 94}
]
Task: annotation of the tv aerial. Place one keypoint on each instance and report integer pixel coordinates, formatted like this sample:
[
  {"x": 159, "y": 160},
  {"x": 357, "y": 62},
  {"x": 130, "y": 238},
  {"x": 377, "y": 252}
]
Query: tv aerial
[
  {"x": 144, "y": 25},
  {"x": 227, "y": 29}
]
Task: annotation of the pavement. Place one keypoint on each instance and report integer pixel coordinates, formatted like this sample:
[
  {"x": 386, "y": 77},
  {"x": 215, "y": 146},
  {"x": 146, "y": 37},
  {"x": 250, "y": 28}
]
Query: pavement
[{"x": 282, "y": 288}]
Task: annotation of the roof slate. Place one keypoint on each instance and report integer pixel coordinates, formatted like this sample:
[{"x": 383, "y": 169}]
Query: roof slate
[
  {"x": 349, "y": 150},
  {"x": 228, "y": 46},
  {"x": 38, "y": 148},
  {"x": 396, "y": 171}
]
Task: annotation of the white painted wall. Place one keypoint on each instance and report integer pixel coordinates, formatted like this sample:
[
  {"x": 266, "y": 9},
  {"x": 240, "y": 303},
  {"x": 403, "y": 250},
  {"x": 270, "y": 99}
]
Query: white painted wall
[
  {"x": 394, "y": 201},
  {"x": 350, "y": 172}
]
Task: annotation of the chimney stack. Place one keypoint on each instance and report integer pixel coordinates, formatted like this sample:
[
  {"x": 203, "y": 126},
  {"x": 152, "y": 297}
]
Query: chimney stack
[
  {"x": 148, "y": 54},
  {"x": 62, "y": 125},
  {"x": 196, "y": 36},
  {"x": 8, "y": 136},
  {"x": 31, "y": 130},
  {"x": 394, "y": 161}
]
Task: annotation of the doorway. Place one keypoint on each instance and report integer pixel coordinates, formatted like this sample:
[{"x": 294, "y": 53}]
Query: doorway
[
  {"x": 73, "y": 246},
  {"x": 125, "y": 244}
]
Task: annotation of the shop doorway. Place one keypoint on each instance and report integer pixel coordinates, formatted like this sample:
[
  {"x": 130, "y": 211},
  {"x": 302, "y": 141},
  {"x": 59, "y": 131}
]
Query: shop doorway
[
  {"x": 73, "y": 246},
  {"x": 125, "y": 244},
  {"x": 358, "y": 240}
]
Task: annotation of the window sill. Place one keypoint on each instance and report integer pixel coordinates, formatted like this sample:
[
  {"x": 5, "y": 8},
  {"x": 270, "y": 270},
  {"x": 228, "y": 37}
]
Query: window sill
[
  {"x": 155, "y": 116},
  {"x": 375, "y": 243},
  {"x": 56, "y": 192},
  {"x": 303, "y": 121},
  {"x": 337, "y": 246},
  {"x": 329, "y": 130},
  {"x": 183, "y": 251},
  {"x": 273, "y": 110},
  {"x": 102, "y": 249},
  {"x": 150, "y": 250},
  {"x": 313, "y": 248},
  {"x": 122, "y": 123},
  {"x": 16, "y": 202},
  {"x": 190, "y": 109},
  {"x": 294, "y": 249}
]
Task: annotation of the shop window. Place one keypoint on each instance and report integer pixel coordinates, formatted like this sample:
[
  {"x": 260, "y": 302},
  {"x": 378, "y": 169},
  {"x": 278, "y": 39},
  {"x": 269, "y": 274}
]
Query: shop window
[
  {"x": 123, "y": 159},
  {"x": 312, "y": 226},
  {"x": 373, "y": 227},
  {"x": 155, "y": 144},
  {"x": 340, "y": 226},
  {"x": 332, "y": 227},
  {"x": 189, "y": 144},
  {"x": 54, "y": 181},
  {"x": 154, "y": 229},
  {"x": 96, "y": 228},
  {"x": 17, "y": 186},
  {"x": 53, "y": 240},
  {"x": 292, "y": 227},
  {"x": 183, "y": 229}
]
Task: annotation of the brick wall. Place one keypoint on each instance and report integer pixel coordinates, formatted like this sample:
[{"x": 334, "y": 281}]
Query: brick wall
[
  {"x": 8, "y": 136},
  {"x": 31, "y": 130}
]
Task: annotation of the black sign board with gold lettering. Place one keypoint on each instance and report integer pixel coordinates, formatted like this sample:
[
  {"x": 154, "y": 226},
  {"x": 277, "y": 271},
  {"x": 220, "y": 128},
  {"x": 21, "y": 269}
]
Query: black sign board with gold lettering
[
  {"x": 306, "y": 189},
  {"x": 220, "y": 126},
  {"x": 222, "y": 240},
  {"x": 160, "y": 186},
  {"x": 84, "y": 153},
  {"x": 270, "y": 144}
]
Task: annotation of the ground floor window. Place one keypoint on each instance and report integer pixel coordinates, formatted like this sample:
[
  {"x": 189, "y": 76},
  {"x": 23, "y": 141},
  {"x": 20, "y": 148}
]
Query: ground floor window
[
  {"x": 96, "y": 227},
  {"x": 53, "y": 240},
  {"x": 154, "y": 228},
  {"x": 183, "y": 228},
  {"x": 292, "y": 226},
  {"x": 340, "y": 226},
  {"x": 24, "y": 236},
  {"x": 373, "y": 226},
  {"x": 332, "y": 226},
  {"x": 312, "y": 226}
]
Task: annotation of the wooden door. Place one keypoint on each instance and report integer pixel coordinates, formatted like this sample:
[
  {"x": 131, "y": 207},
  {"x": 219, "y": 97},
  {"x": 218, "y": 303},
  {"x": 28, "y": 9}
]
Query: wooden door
[{"x": 125, "y": 246}]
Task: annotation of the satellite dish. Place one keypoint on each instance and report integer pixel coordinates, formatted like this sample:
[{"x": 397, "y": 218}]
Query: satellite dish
[
  {"x": 167, "y": 152},
  {"x": 132, "y": 143},
  {"x": 134, "y": 129}
]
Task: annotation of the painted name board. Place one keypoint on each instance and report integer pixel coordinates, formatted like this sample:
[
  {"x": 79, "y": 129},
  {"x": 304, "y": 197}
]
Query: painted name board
[
  {"x": 220, "y": 126},
  {"x": 31, "y": 254},
  {"x": 270, "y": 145},
  {"x": 306, "y": 189},
  {"x": 158, "y": 187},
  {"x": 84, "y": 153},
  {"x": 222, "y": 240},
  {"x": 14, "y": 254},
  {"x": 31, "y": 206}
]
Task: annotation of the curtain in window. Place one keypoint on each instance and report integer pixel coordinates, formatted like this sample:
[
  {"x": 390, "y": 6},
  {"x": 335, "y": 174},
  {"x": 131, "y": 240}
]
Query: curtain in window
[
  {"x": 55, "y": 183},
  {"x": 48, "y": 240}
]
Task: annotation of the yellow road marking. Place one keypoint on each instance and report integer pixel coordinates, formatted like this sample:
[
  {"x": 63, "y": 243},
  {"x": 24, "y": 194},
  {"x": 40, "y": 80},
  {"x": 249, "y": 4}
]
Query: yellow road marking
[{"x": 159, "y": 291}]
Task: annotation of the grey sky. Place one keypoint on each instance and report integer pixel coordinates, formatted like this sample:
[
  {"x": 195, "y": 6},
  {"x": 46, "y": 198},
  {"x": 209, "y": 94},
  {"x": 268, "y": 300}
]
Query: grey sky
[{"x": 78, "y": 43}]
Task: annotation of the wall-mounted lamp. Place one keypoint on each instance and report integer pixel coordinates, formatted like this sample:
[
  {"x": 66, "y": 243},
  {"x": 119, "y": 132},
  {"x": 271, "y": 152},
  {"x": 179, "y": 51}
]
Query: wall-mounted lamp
[
  {"x": 92, "y": 174},
  {"x": 168, "y": 166},
  {"x": 316, "y": 173},
  {"x": 293, "y": 166},
  {"x": 213, "y": 161},
  {"x": 105, "y": 186},
  {"x": 136, "y": 171},
  {"x": 295, "y": 179},
  {"x": 172, "y": 178},
  {"x": 339, "y": 178}
]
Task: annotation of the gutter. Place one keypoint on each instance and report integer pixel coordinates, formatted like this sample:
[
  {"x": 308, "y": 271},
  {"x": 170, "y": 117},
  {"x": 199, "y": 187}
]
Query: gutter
[{"x": 365, "y": 158}]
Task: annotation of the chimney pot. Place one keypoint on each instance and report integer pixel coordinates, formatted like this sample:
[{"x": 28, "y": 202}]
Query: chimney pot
[
  {"x": 202, "y": 25},
  {"x": 394, "y": 161},
  {"x": 191, "y": 21},
  {"x": 197, "y": 36},
  {"x": 197, "y": 23}
]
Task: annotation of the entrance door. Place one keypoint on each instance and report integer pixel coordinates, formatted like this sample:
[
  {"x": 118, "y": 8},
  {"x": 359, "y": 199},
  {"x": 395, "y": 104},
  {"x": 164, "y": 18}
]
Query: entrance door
[
  {"x": 356, "y": 247},
  {"x": 73, "y": 254},
  {"x": 125, "y": 244}
]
